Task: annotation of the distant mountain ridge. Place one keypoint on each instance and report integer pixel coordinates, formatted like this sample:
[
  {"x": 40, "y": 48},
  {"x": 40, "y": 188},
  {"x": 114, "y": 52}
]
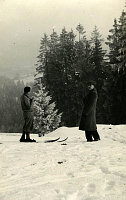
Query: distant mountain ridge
[
  {"x": 25, "y": 74},
  {"x": 26, "y": 78}
]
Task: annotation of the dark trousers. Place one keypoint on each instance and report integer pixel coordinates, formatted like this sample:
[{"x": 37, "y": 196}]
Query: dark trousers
[
  {"x": 90, "y": 135},
  {"x": 28, "y": 125},
  {"x": 27, "y": 135},
  {"x": 28, "y": 122}
]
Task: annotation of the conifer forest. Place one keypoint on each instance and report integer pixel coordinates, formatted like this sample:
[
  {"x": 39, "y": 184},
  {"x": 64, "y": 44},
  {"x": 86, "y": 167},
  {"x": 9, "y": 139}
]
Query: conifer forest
[{"x": 65, "y": 63}]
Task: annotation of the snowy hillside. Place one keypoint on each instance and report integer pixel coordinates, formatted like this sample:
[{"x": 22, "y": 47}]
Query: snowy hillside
[{"x": 71, "y": 170}]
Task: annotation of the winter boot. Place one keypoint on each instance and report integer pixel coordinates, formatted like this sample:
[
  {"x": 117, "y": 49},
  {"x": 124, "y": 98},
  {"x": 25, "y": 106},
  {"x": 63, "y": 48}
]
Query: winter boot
[
  {"x": 96, "y": 136},
  {"x": 28, "y": 138}
]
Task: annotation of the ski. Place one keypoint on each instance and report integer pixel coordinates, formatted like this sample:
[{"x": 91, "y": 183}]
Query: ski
[
  {"x": 54, "y": 140},
  {"x": 63, "y": 140}
]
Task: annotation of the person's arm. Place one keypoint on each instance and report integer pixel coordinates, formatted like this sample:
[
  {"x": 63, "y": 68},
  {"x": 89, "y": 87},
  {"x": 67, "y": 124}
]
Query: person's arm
[
  {"x": 31, "y": 101},
  {"x": 27, "y": 102}
]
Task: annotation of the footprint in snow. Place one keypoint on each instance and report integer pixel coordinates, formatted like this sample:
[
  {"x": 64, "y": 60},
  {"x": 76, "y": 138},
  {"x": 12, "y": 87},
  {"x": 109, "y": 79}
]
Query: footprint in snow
[
  {"x": 57, "y": 191},
  {"x": 110, "y": 185},
  {"x": 33, "y": 164},
  {"x": 91, "y": 188},
  {"x": 105, "y": 170},
  {"x": 70, "y": 174}
]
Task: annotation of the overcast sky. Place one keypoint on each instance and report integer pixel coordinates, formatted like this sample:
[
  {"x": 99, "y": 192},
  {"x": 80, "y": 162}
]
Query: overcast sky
[{"x": 23, "y": 22}]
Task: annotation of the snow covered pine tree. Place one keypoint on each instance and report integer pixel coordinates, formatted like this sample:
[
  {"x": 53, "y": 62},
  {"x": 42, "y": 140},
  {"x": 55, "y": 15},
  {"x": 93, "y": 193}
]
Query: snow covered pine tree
[{"x": 46, "y": 117}]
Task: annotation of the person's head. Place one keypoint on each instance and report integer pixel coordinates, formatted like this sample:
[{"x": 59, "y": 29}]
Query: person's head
[
  {"x": 27, "y": 89},
  {"x": 91, "y": 85}
]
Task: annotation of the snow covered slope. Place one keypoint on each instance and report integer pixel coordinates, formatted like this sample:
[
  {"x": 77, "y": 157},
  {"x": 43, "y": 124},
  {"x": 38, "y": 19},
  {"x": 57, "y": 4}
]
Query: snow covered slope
[{"x": 72, "y": 170}]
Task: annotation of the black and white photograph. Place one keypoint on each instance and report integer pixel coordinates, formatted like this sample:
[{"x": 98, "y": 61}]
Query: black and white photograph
[{"x": 62, "y": 99}]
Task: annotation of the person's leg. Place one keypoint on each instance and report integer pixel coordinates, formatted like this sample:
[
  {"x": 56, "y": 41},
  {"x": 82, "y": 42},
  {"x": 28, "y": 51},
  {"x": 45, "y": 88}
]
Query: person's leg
[
  {"x": 27, "y": 136},
  {"x": 25, "y": 132},
  {"x": 95, "y": 135},
  {"x": 28, "y": 126},
  {"x": 88, "y": 135},
  {"x": 22, "y": 139}
]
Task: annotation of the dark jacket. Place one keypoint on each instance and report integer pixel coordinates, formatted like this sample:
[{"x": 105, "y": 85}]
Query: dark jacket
[
  {"x": 26, "y": 103},
  {"x": 88, "y": 118}
]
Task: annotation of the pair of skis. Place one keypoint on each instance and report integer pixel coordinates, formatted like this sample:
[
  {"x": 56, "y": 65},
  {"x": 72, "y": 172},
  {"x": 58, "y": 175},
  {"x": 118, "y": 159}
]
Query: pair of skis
[{"x": 56, "y": 140}]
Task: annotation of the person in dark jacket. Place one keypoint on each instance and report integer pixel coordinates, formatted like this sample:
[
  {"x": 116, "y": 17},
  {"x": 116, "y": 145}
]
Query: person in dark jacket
[
  {"x": 88, "y": 118},
  {"x": 27, "y": 107}
]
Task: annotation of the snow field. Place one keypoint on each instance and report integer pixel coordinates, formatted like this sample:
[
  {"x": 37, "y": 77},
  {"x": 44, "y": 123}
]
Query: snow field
[{"x": 71, "y": 170}]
